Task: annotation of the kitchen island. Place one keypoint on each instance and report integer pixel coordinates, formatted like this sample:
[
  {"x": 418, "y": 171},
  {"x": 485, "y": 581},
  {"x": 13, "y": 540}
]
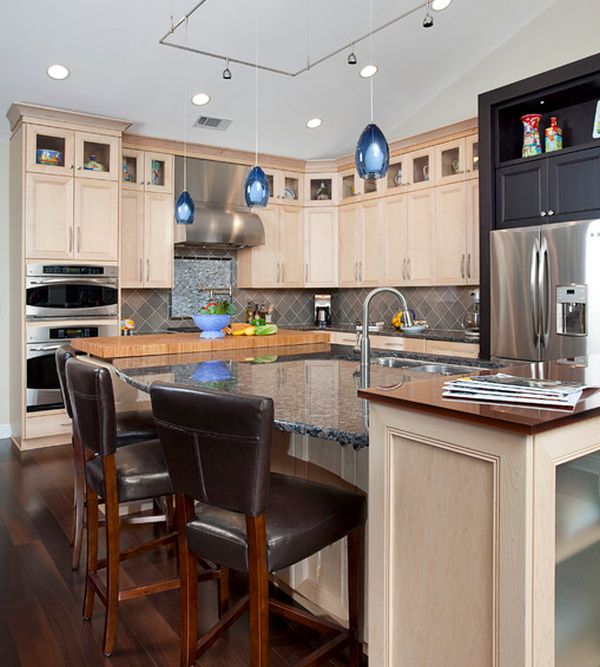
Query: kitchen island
[
  {"x": 321, "y": 423},
  {"x": 484, "y": 527}
]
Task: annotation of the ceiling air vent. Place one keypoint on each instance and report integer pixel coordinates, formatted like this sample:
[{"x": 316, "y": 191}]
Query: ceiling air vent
[{"x": 210, "y": 123}]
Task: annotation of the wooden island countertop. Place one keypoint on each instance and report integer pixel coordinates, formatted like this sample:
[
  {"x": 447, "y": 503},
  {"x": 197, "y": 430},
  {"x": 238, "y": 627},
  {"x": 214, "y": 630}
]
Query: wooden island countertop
[{"x": 113, "y": 347}]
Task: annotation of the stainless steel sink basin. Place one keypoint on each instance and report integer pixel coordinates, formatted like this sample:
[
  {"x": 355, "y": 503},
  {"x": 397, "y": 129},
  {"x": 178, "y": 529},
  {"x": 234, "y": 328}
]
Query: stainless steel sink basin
[
  {"x": 422, "y": 366},
  {"x": 395, "y": 362}
]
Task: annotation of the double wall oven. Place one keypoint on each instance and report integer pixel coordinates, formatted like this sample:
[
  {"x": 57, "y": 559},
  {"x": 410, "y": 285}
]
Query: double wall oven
[{"x": 64, "y": 302}]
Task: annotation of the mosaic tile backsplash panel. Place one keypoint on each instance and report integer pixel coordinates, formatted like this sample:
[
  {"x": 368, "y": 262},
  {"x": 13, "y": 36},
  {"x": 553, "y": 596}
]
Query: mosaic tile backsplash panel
[{"x": 194, "y": 278}]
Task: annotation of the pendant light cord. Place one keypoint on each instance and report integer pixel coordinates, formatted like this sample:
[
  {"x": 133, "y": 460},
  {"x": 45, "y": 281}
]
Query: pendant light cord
[
  {"x": 371, "y": 50},
  {"x": 307, "y": 35},
  {"x": 185, "y": 113},
  {"x": 256, "y": 83}
]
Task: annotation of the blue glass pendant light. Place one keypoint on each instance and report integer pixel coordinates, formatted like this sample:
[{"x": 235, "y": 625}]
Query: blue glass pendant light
[
  {"x": 372, "y": 156},
  {"x": 184, "y": 206},
  {"x": 184, "y": 209},
  {"x": 256, "y": 187}
]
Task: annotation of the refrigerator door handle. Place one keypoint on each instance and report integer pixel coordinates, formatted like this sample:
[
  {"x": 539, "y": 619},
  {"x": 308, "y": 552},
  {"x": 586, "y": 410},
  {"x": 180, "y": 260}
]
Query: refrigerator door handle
[
  {"x": 534, "y": 289},
  {"x": 544, "y": 286}
]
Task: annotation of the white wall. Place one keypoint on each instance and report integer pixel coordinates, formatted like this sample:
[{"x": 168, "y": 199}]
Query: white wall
[
  {"x": 566, "y": 32},
  {"x": 4, "y": 259}
]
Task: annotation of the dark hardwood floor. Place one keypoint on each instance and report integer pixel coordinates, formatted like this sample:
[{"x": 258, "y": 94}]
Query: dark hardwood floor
[{"x": 41, "y": 597}]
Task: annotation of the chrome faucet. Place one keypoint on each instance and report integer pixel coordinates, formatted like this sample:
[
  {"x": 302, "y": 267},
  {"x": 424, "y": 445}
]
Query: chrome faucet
[{"x": 364, "y": 343}]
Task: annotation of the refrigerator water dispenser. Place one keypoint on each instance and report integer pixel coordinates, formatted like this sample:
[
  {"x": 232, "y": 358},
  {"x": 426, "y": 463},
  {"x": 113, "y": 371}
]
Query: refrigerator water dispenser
[{"x": 571, "y": 310}]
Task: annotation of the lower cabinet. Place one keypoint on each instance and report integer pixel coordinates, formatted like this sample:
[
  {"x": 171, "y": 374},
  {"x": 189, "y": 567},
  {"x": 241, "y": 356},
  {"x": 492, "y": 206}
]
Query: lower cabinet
[{"x": 146, "y": 239}]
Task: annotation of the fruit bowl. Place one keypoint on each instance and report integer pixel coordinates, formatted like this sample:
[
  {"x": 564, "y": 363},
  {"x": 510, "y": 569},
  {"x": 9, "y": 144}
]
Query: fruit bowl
[{"x": 212, "y": 326}]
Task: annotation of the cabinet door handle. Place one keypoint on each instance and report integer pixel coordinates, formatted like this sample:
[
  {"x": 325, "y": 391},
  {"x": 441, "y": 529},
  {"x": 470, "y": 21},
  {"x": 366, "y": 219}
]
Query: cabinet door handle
[
  {"x": 404, "y": 268},
  {"x": 462, "y": 266},
  {"x": 70, "y": 239},
  {"x": 361, "y": 272},
  {"x": 278, "y": 272},
  {"x": 408, "y": 268},
  {"x": 550, "y": 212},
  {"x": 543, "y": 214},
  {"x": 141, "y": 271},
  {"x": 306, "y": 273},
  {"x": 78, "y": 239},
  {"x": 282, "y": 271},
  {"x": 72, "y": 166},
  {"x": 147, "y": 270},
  {"x": 79, "y": 168},
  {"x": 469, "y": 265}
]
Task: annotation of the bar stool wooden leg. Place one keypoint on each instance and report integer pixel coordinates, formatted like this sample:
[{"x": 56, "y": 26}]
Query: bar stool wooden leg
[
  {"x": 92, "y": 552},
  {"x": 112, "y": 554},
  {"x": 258, "y": 579},
  {"x": 355, "y": 588},
  {"x": 188, "y": 575},
  {"x": 223, "y": 591}
]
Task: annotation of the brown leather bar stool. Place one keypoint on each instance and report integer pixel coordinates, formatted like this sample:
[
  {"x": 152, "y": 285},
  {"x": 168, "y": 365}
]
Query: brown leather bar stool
[
  {"x": 132, "y": 473},
  {"x": 218, "y": 450},
  {"x": 132, "y": 426}
]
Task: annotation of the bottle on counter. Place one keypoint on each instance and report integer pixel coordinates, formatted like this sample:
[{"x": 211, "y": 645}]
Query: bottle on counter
[
  {"x": 262, "y": 314},
  {"x": 248, "y": 312},
  {"x": 256, "y": 316}
]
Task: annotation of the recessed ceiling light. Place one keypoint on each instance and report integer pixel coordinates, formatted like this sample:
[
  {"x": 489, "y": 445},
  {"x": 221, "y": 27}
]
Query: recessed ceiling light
[
  {"x": 200, "y": 99},
  {"x": 438, "y": 5},
  {"x": 58, "y": 72},
  {"x": 313, "y": 122},
  {"x": 368, "y": 71}
]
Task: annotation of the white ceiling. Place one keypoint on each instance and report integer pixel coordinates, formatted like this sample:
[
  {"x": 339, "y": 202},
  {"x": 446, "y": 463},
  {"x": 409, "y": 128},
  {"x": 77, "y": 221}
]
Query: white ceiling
[{"x": 119, "y": 69}]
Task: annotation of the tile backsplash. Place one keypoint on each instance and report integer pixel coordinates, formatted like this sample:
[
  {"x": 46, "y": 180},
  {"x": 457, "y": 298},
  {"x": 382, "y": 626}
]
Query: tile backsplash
[{"x": 156, "y": 309}]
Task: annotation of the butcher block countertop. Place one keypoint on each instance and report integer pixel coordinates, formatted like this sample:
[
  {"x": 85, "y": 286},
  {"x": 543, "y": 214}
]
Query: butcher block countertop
[{"x": 113, "y": 347}]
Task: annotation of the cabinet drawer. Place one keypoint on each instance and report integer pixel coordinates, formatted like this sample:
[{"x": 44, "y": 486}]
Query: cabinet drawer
[
  {"x": 340, "y": 338},
  {"x": 398, "y": 343},
  {"x": 450, "y": 349},
  {"x": 46, "y": 425}
]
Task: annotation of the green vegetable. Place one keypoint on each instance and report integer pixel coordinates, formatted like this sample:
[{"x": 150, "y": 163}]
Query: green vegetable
[
  {"x": 266, "y": 330},
  {"x": 265, "y": 359},
  {"x": 222, "y": 307}
]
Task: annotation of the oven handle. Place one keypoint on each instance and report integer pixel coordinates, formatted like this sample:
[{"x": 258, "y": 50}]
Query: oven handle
[
  {"x": 107, "y": 282},
  {"x": 46, "y": 348}
]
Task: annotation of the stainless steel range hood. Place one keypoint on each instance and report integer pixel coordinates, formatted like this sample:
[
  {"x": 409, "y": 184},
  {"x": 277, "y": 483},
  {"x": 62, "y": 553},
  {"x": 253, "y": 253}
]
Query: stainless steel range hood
[{"x": 222, "y": 218}]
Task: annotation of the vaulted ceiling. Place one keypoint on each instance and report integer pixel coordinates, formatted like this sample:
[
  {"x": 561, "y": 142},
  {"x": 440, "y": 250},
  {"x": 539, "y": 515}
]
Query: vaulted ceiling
[{"x": 427, "y": 78}]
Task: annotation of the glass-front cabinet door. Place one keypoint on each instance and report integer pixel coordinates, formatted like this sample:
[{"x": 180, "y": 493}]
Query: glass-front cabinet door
[
  {"x": 132, "y": 170},
  {"x": 97, "y": 156},
  {"x": 397, "y": 175},
  {"x": 451, "y": 162},
  {"x": 472, "y": 155},
  {"x": 291, "y": 187},
  {"x": 421, "y": 169},
  {"x": 50, "y": 150},
  {"x": 158, "y": 172}
]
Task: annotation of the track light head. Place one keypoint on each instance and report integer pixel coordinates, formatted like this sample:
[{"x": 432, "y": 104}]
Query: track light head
[
  {"x": 227, "y": 71},
  {"x": 428, "y": 20},
  {"x": 352, "y": 59}
]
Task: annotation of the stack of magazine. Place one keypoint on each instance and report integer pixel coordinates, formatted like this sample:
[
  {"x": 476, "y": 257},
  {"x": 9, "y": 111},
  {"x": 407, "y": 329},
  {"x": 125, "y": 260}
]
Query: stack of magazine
[{"x": 514, "y": 390}]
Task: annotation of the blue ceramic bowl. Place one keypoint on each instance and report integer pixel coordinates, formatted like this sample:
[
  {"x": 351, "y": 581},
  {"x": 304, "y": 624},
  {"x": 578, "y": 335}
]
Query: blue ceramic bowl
[{"x": 211, "y": 326}]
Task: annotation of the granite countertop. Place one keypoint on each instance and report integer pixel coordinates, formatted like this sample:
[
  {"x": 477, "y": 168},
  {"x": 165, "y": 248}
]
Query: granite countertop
[
  {"x": 453, "y": 335},
  {"x": 427, "y": 397},
  {"x": 315, "y": 389}
]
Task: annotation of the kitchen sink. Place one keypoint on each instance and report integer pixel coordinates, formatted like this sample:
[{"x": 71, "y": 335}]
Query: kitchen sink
[{"x": 423, "y": 367}]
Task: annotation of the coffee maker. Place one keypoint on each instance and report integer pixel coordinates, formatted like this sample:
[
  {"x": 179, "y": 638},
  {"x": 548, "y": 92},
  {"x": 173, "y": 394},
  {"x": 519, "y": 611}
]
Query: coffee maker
[{"x": 322, "y": 310}]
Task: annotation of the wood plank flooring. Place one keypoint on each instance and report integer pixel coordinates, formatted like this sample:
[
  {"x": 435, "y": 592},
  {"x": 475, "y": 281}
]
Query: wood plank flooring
[{"x": 41, "y": 597}]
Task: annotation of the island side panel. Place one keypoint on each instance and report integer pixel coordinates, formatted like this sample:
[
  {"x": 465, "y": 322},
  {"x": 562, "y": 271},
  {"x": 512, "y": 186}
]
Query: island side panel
[{"x": 450, "y": 525}]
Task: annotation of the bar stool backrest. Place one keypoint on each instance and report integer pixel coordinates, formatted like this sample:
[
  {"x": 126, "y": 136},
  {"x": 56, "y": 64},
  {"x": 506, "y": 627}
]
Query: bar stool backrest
[
  {"x": 217, "y": 445},
  {"x": 92, "y": 399},
  {"x": 61, "y": 356}
]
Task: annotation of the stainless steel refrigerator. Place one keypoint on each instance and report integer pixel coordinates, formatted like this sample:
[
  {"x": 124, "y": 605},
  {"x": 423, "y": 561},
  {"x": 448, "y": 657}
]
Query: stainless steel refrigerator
[{"x": 545, "y": 291}]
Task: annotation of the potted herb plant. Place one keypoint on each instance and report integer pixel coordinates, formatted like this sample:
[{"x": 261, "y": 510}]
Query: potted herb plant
[{"x": 214, "y": 317}]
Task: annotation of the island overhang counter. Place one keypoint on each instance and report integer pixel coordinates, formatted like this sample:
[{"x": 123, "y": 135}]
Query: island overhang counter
[{"x": 484, "y": 527}]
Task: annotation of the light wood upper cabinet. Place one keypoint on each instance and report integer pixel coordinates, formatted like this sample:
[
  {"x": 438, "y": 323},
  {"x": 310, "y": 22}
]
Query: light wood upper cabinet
[
  {"x": 158, "y": 240},
  {"x": 132, "y": 239},
  {"x": 349, "y": 222},
  {"x": 321, "y": 189},
  {"x": 370, "y": 267},
  {"x": 291, "y": 243},
  {"x": 48, "y": 216},
  {"x": 473, "y": 232},
  {"x": 321, "y": 247},
  {"x": 420, "y": 237},
  {"x": 451, "y": 161},
  {"x": 394, "y": 232},
  {"x": 133, "y": 176},
  {"x": 50, "y": 150},
  {"x": 451, "y": 230},
  {"x": 96, "y": 220},
  {"x": 286, "y": 187},
  {"x": 97, "y": 156},
  {"x": 421, "y": 169},
  {"x": 472, "y": 156},
  {"x": 146, "y": 239}
]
